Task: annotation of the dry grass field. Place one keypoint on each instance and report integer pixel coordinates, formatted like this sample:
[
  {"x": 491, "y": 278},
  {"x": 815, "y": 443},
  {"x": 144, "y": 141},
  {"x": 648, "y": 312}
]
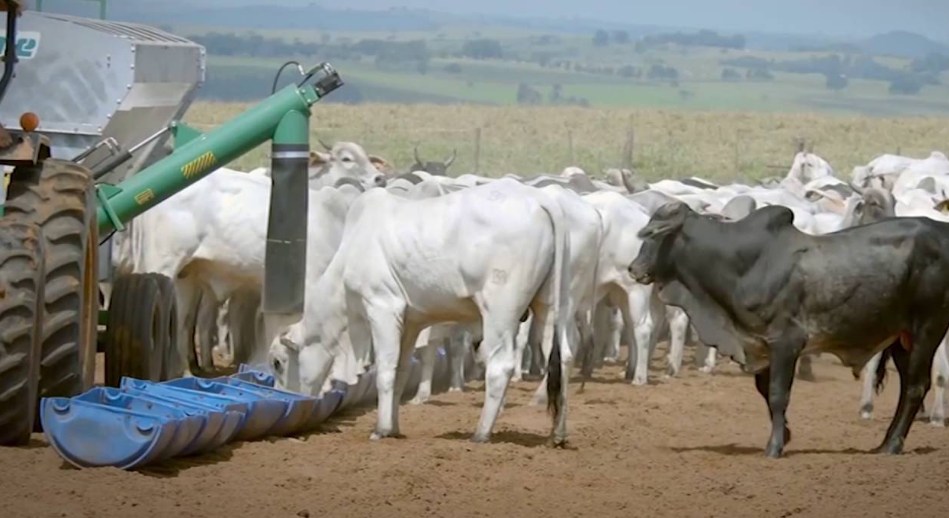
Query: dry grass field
[{"x": 667, "y": 143}]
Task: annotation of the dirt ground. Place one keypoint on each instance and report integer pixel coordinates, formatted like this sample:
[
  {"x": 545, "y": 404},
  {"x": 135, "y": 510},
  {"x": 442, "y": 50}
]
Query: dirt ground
[{"x": 691, "y": 446}]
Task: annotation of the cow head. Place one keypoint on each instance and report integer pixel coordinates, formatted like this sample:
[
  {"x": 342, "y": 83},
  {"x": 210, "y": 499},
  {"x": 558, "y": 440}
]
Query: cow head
[
  {"x": 299, "y": 368},
  {"x": 433, "y": 167},
  {"x": 657, "y": 236},
  {"x": 873, "y": 204},
  {"x": 344, "y": 160}
]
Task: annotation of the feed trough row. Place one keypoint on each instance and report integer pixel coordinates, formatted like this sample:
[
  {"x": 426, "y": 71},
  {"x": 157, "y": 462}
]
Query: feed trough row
[{"x": 144, "y": 422}]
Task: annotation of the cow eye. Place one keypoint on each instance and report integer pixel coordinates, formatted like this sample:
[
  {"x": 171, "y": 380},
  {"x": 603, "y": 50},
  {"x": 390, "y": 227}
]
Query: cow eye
[
  {"x": 276, "y": 365},
  {"x": 346, "y": 159}
]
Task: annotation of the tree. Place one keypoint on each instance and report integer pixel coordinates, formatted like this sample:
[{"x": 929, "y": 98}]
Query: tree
[
  {"x": 730, "y": 74},
  {"x": 601, "y": 38},
  {"x": 528, "y": 95},
  {"x": 906, "y": 85},
  {"x": 836, "y": 81},
  {"x": 453, "y": 68},
  {"x": 482, "y": 49},
  {"x": 621, "y": 37},
  {"x": 556, "y": 92}
]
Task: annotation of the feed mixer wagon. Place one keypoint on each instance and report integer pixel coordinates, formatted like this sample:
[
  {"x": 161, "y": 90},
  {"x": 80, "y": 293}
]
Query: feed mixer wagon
[{"x": 86, "y": 106}]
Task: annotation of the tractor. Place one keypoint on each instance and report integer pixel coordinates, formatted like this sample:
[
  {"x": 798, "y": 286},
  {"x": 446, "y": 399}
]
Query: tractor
[{"x": 91, "y": 137}]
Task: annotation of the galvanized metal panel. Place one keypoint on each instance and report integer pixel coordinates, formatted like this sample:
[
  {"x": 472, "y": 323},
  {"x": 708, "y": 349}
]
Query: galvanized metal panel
[{"x": 95, "y": 79}]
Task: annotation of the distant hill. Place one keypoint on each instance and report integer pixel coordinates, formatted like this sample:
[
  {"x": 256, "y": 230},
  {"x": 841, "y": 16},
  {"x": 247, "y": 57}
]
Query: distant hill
[{"x": 901, "y": 44}]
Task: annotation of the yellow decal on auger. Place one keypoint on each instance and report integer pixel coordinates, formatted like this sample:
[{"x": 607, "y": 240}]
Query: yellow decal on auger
[
  {"x": 198, "y": 165},
  {"x": 144, "y": 196}
]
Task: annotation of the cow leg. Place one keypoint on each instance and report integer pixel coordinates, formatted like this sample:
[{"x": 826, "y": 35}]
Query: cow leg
[
  {"x": 388, "y": 338},
  {"x": 642, "y": 318},
  {"x": 520, "y": 344},
  {"x": 186, "y": 294},
  {"x": 536, "y": 339},
  {"x": 208, "y": 307},
  {"x": 941, "y": 377},
  {"x": 497, "y": 349},
  {"x": 775, "y": 385},
  {"x": 805, "y": 370},
  {"x": 457, "y": 351},
  {"x": 915, "y": 368},
  {"x": 427, "y": 358},
  {"x": 678, "y": 329},
  {"x": 869, "y": 380}
]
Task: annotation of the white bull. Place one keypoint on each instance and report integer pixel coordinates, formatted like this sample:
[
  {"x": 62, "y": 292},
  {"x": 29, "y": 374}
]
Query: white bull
[{"x": 485, "y": 254}]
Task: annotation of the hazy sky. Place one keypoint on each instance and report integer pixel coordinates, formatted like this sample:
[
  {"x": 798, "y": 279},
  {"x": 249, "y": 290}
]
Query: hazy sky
[{"x": 844, "y": 17}]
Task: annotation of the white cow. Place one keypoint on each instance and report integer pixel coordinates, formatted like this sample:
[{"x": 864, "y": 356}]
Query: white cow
[
  {"x": 212, "y": 236},
  {"x": 642, "y": 311},
  {"x": 485, "y": 254},
  {"x": 231, "y": 210},
  {"x": 585, "y": 228}
]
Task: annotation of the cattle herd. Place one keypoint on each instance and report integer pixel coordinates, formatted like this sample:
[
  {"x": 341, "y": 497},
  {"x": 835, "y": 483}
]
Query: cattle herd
[{"x": 535, "y": 274}]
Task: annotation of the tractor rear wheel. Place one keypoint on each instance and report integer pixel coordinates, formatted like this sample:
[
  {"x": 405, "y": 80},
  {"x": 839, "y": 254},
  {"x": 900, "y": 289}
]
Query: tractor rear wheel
[
  {"x": 21, "y": 295},
  {"x": 59, "y": 197},
  {"x": 138, "y": 326},
  {"x": 171, "y": 366}
]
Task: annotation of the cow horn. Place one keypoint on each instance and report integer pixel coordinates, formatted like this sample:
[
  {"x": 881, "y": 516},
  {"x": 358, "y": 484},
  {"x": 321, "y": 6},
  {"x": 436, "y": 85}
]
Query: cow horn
[
  {"x": 451, "y": 159},
  {"x": 417, "y": 159},
  {"x": 325, "y": 146}
]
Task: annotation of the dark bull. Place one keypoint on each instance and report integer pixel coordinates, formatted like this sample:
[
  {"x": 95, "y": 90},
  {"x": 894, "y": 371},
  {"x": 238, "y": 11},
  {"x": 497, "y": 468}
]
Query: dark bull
[{"x": 763, "y": 293}]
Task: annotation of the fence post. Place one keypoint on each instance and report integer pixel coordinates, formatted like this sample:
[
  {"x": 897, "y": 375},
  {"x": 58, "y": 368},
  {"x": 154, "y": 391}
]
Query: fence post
[
  {"x": 628, "y": 146},
  {"x": 477, "y": 150}
]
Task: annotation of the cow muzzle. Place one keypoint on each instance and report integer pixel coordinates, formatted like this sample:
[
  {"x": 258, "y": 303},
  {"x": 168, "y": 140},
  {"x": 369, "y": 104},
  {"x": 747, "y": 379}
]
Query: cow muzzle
[{"x": 640, "y": 274}]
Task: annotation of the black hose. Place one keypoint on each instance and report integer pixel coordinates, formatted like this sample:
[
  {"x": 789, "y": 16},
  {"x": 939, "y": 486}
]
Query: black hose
[{"x": 276, "y": 78}]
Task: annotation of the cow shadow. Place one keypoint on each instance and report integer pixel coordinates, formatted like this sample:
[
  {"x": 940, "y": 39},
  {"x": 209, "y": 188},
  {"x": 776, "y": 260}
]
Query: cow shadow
[
  {"x": 525, "y": 439},
  {"x": 737, "y": 449}
]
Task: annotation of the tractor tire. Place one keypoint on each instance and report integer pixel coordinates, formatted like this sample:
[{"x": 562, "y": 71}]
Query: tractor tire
[
  {"x": 171, "y": 366},
  {"x": 21, "y": 294},
  {"x": 59, "y": 197},
  {"x": 136, "y": 331}
]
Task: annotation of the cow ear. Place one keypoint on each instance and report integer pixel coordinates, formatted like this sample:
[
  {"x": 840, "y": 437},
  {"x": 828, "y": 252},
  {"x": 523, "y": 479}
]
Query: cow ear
[
  {"x": 379, "y": 162},
  {"x": 318, "y": 159},
  {"x": 943, "y": 206},
  {"x": 668, "y": 218}
]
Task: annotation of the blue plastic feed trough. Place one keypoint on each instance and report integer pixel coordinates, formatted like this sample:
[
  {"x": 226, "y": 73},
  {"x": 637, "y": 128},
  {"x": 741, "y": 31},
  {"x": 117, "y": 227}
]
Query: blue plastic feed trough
[{"x": 143, "y": 422}]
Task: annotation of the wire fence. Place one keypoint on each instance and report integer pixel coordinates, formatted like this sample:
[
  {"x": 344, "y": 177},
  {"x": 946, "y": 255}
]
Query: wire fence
[{"x": 725, "y": 147}]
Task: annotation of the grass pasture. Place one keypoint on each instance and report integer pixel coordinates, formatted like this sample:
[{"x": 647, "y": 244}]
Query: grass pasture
[{"x": 718, "y": 145}]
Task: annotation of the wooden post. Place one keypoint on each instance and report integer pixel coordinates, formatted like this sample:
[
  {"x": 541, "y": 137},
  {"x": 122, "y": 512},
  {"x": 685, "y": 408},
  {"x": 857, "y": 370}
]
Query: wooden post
[
  {"x": 628, "y": 147},
  {"x": 477, "y": 150}
]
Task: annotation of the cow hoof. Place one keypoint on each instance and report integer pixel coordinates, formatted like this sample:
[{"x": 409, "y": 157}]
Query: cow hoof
[
  {"x": 557, "y": 442},
  {"x": 375, "y": 436},
  {"x": 456, "y": 389},
  {"x": 671, "y": 372},
  {"x": 639, "y": 381},
  {"x": 866, "y": 411},
  {"x": 938, "y": 422},
  {"x": 894, "y": 448},
  {"x": 629, "y": 375},
  {"x": 417, "y": 400},
  {"x": 773, "y": 453},
  {"x": 481, "y": 439},
  {"x": 705, "y": 369}
]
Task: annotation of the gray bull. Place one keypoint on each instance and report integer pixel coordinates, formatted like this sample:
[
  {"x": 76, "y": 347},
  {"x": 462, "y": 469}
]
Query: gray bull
[{"x": 763, "y": 293}]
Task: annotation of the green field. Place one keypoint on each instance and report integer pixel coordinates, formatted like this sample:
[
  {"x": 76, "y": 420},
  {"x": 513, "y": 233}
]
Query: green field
[{"x": 699, "y": 86}]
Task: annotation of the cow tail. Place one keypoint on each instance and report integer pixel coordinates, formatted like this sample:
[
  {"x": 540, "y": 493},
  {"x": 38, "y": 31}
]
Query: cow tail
[
  {"x": 590, "y": 348},
  {"x": 556, "y": 386},
  {"x": 881, "y": 368}
]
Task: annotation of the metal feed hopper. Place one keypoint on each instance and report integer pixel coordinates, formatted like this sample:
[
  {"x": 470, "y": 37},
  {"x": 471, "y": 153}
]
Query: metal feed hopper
[{"x": 88, "y": 80}]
